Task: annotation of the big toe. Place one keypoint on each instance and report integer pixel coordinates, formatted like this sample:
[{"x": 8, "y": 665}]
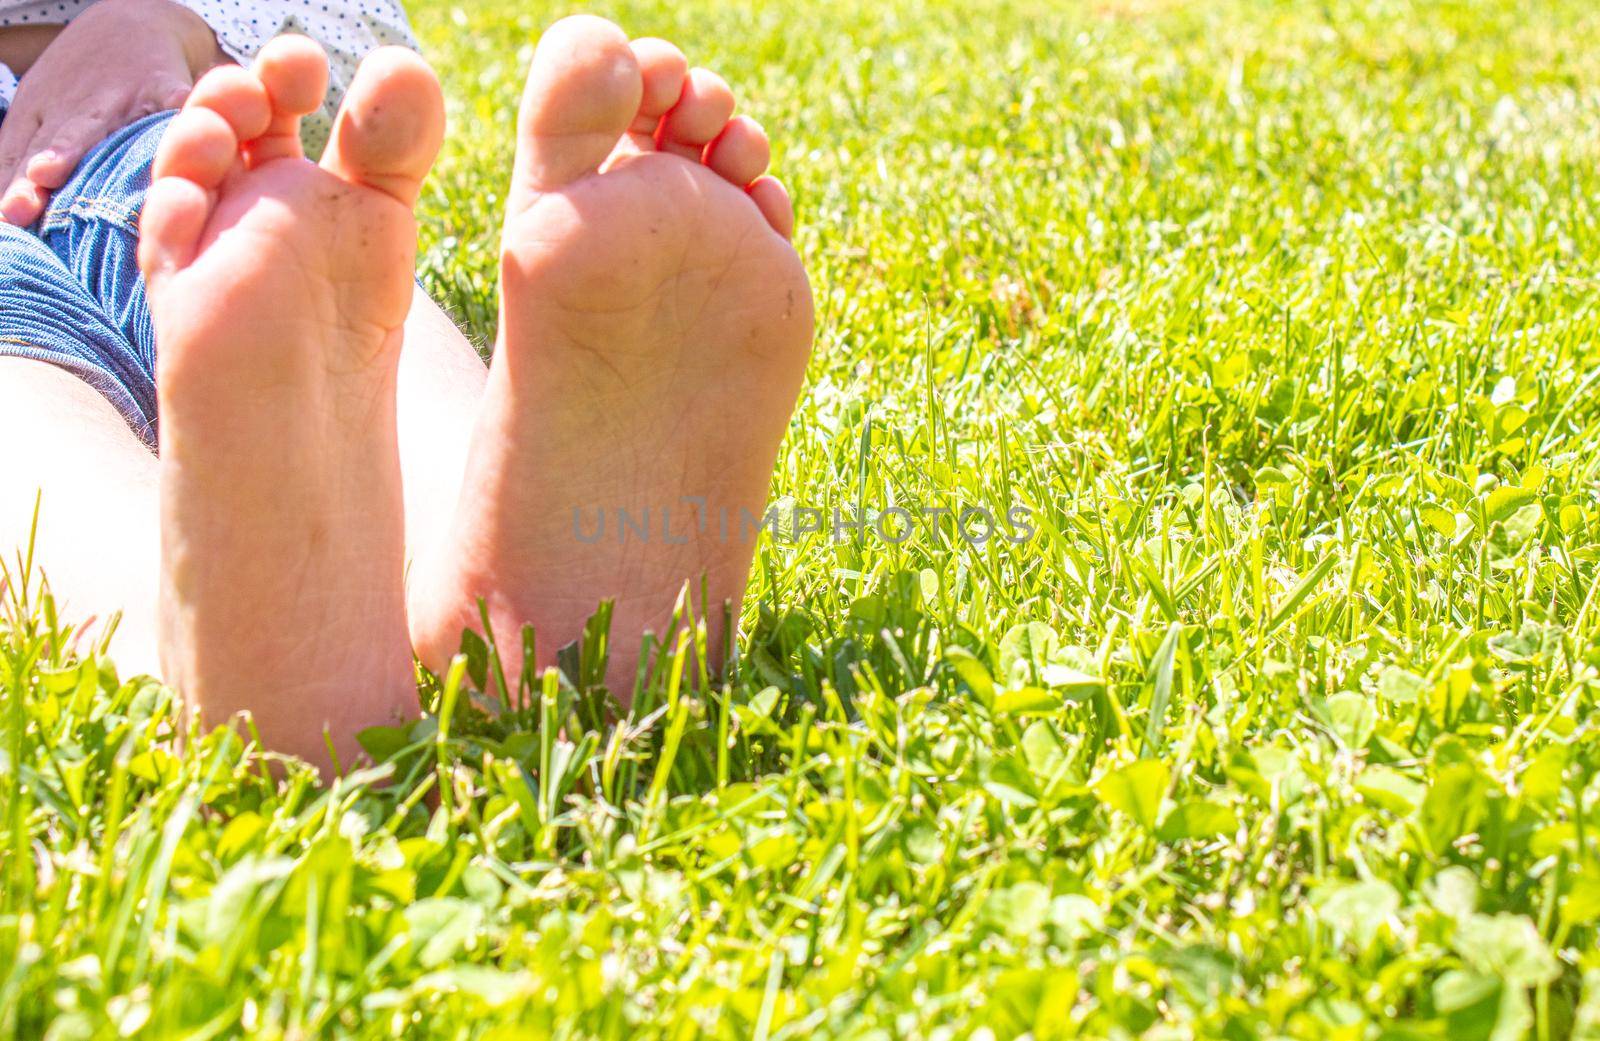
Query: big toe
[
  {"x": 390, "y": 126},
  {"x": 584, "y": 90}
]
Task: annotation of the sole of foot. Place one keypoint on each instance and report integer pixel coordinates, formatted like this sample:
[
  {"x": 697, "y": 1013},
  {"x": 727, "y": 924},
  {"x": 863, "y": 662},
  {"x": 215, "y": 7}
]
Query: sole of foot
[
  {"x": 278, "y": 287},
  {"x": 654, "y": 329}
]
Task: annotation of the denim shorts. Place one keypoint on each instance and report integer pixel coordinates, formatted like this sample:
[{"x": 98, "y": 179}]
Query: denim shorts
[{"x": 70, "y": 289}]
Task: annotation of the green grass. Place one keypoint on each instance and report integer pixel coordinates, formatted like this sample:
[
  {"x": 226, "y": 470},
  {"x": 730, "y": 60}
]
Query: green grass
[{"x": 1280, "y": 319}]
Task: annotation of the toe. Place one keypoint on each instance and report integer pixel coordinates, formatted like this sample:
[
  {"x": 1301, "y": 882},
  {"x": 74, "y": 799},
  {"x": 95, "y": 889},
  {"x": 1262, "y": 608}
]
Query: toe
[
  {"x": 584, "y": 90},
  {"x": 172, "y": 220},
  {"x": 741, "y": 152},
  {"x": 199, "y": 146},
  {"x": 390, "y": 126},
  {"x": 772, "y": 199},
  {"x": 700, "y": 114},
  {"x": 237, "y": 95},
  {"x": 294, "y": 72},
  {"x": 664, "y": 70}
]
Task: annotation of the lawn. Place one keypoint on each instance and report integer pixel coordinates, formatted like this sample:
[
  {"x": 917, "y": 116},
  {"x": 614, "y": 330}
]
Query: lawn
[{"x": 1276, "y": 325}]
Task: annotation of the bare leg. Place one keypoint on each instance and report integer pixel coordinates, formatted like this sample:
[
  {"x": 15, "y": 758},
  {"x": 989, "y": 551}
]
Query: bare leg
[
  {"x": 441, "y": 383},
  {"x": 97, "y": 536}
]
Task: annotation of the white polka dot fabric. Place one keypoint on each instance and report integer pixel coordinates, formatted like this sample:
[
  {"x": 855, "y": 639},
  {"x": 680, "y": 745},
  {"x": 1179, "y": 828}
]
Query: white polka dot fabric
[{"x": 347, "y": 29}]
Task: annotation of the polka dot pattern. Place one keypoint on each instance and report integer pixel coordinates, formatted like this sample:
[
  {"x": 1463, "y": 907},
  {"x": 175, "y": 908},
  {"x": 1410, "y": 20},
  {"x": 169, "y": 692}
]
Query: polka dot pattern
[
  {"x": 347, "y": 30},
  {"x": 8, "y": 88}
]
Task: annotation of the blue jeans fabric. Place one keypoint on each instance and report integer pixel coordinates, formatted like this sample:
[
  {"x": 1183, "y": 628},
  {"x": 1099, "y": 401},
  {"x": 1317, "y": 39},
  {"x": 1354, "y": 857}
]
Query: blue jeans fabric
[{"x": 70, "y": 289}]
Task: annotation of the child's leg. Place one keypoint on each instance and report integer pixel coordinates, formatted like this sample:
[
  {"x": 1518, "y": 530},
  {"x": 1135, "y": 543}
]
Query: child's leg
[
  {"x": 97, "y": 542},
  {"x": 76, "y": 414},
  {"x": 440, "y": 386},
  {"x": 95, "y": 482},
  {"x": 75, "y": 446}
]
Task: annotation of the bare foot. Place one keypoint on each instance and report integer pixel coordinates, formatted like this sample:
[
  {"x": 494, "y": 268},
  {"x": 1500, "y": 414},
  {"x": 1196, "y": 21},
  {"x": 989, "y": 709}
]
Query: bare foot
[
  {"x": 278, "y": 288},
  {"x": 654, "y": 330}
]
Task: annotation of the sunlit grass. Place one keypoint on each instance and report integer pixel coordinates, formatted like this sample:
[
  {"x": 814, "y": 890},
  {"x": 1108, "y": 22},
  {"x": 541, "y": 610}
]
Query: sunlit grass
[{"x": 1277, "y": 322}]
